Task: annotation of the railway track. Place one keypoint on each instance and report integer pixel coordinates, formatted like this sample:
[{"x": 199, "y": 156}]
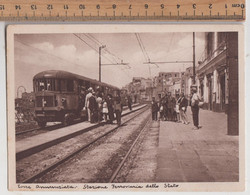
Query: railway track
[
  {"x": 56, "y": 126},
  {"x": 118, "y": 169},
  {"x": 83, "y": 147},
  {"x": 28, "y": 146}
]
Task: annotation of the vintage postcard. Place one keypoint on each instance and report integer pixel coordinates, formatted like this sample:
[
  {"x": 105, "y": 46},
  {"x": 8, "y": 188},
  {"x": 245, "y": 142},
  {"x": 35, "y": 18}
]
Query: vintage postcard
[{"x": 126, "y": 107}]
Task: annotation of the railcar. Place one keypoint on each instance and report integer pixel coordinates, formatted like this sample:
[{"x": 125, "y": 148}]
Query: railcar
[{"x": 60, "y": 95}]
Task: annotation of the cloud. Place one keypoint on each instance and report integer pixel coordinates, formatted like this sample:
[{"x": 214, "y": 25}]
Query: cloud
[{"x": 45, "y": 46}]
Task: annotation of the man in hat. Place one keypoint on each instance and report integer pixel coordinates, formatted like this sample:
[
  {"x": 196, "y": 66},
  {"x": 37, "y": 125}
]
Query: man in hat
[
  {"x": 154, "y": 109},
  {"x": 195, "y": 106},
  {"x": 90, "y": 91}
]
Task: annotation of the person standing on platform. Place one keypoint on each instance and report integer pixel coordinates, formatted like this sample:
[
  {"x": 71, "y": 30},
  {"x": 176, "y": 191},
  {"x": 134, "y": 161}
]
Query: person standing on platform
[
  {"x": 195, "y": 107},
  {"x": 154, "y": 109},
  {"x": 183, "y": 108},
  {"x": 105, "y": 109},
  {"x": 170, "y": 107},
  {"x": 174, "y": 114},
  {"x": 93, "y": 108},
  {"x": 110, "y": 104},
  {"x": 165, "y": 107},
  {"x": 99, "y": 103},
  {"x": 89, "y": 94},
  {"x": 118, "y": 108},
  {"x": 177, "y": 107},
  {"x": 129, "y": 102}
]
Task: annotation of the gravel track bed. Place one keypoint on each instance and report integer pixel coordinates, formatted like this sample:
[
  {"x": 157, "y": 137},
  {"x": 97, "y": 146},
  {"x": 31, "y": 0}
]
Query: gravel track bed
[
  {"x": 141, "y": 164},
  {"x": 96, "y": 164},
  {"x": 33, "y": 164}
]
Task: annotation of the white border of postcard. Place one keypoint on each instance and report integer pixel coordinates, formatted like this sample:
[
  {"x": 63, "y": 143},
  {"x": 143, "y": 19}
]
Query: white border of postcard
[{"x": 191, "y": 186}]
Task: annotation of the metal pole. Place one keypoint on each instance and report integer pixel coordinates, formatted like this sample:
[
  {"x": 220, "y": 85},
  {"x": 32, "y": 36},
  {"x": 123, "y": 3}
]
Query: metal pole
[
  {"x": 193, "y": 57},
  {"x": 100, "y": 63}
]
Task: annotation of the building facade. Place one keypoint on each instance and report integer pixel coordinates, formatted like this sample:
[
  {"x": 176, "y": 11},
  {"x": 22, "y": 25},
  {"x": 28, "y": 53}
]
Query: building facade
[
  {"x": 164, "y": 82},
  {"x": 217, "y": 76},
  {"x": 140, "y": 89},
  {"x": 213, "y": 73}
]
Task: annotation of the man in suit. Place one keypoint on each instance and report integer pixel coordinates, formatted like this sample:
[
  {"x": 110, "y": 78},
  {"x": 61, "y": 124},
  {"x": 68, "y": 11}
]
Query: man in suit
[
  {"x": 195, "y": 106},
  {"x": 154, "y": 109}
]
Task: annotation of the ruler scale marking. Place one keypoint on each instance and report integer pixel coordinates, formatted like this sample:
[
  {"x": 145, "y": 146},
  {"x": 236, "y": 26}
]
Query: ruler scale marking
[{"x": 95, "y": 10}]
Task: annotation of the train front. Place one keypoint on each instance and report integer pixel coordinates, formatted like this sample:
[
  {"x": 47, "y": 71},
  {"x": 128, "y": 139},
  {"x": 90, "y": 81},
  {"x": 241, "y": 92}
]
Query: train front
[{"x": 53, "y": 93}]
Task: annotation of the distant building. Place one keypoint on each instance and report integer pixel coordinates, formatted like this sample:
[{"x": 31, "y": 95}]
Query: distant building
[
  {"x": 140, "y": 89},
  {"x": 186, "y": 81},
  {"x": 164, "y": 81},
  {"x": 175, "y": 88}
]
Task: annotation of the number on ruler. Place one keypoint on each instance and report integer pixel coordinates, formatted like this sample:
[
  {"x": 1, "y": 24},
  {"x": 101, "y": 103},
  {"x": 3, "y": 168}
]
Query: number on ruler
[
  {"x": 49, "y": 6},
  {"x": 81, "y": 6},
  {"x": 162, "y": 6},
  {"x": 33, "y": 7},
  {"x": 17, "y": 7},
  {"x": 66, "y": 7},
  {"x": 2, "y": 7}
]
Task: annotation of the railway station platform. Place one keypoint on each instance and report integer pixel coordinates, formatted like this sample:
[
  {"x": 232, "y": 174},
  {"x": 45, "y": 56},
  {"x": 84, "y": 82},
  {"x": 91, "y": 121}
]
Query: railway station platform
[
  {"x": 31, "y": 145},
  {"x": 204, "y": 155}
]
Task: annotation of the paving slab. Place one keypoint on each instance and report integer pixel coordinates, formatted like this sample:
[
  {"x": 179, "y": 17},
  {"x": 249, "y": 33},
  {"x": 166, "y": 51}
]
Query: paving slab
[
  {"x": 169, "y": 175},
  {"x": 204, "y": 155}
]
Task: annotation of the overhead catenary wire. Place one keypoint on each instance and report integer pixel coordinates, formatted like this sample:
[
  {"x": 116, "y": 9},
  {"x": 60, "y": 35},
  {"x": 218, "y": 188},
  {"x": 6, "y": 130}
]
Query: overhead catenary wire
[
  {"x": 91, "y": 37},
  {"x": 117, "y": 59},
  {"x": 170, "y": 44},
  {"x": 96, "y": 41},
  {"x": 143, "y": 49},
  {"x": 91, "y": 47}
]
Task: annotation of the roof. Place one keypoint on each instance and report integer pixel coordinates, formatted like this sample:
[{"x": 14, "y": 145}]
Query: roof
[{"x": 60, "y": 74}]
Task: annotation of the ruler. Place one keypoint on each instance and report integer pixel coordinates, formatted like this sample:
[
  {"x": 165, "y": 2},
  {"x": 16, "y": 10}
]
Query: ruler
[{"x": 122, "y": 10}]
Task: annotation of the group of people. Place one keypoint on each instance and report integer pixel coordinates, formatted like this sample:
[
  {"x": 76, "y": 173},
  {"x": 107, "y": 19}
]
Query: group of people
[
  {"x": 170, "y": 108},
  {"x": 99, "y": 106},
  {"x": 173, "y": 108}
]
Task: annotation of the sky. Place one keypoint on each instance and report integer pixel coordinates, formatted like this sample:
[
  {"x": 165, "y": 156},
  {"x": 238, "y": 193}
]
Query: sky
[{"x": 78, "y": 53}]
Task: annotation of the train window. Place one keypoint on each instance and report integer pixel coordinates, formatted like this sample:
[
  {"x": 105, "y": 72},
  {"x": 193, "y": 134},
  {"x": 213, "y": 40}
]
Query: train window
[
  {"x": 63, "y": 85},
  {"x": 44, "y": 85},
  {"x": 70, "y": 85}
]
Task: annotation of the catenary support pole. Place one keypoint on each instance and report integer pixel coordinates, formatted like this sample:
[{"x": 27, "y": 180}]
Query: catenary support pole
[{"x": 193, "y": 57}]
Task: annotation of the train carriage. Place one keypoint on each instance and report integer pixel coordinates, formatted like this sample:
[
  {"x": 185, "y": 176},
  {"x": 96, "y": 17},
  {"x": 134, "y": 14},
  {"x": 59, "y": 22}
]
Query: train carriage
[{"x": 58, "y": 95}]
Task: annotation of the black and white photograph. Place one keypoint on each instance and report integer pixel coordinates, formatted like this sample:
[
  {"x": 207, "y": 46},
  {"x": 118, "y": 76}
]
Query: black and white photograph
[{"x": 126, "y": 107}]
